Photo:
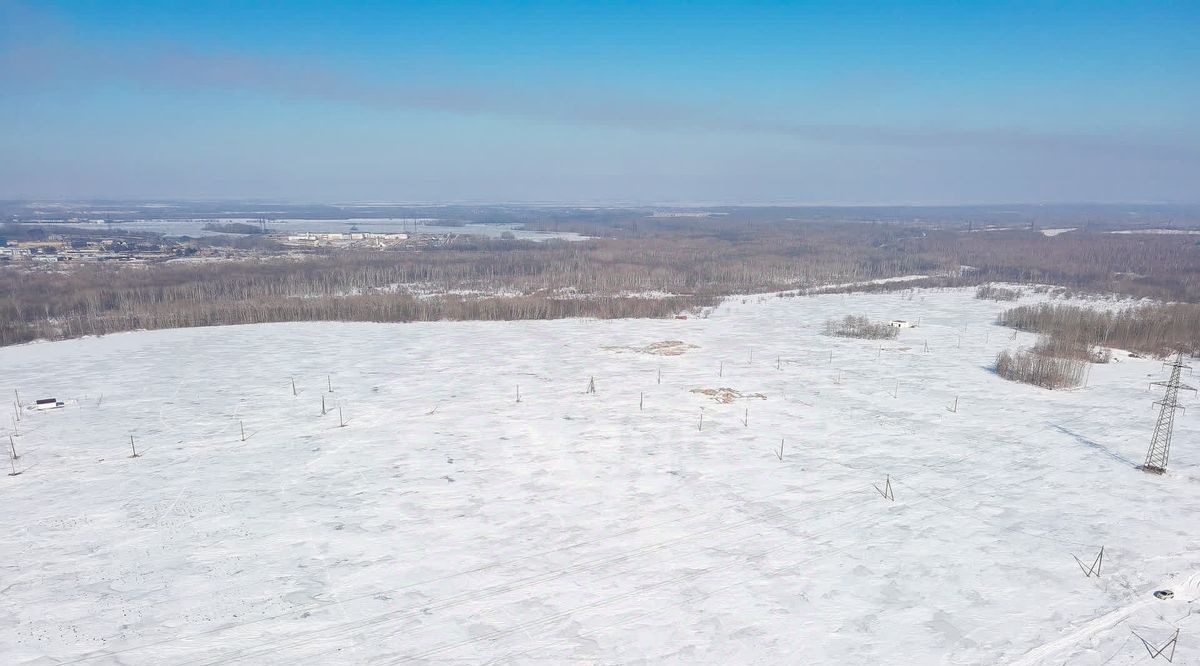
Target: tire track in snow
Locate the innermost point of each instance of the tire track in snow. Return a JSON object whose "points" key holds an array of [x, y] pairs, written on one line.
{"points": [[1097, 625]]}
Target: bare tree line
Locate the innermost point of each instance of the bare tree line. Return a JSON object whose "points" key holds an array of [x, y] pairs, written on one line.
{"points": [[511, 280], [377, 308], [1077, 331], [852, 326], [993, 293], [1040, 369], [1070, 337], [1143, 266], [692, 264]]}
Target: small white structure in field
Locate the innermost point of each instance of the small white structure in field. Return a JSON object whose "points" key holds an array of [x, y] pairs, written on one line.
{"points": [[901, 323], [48, 403]]}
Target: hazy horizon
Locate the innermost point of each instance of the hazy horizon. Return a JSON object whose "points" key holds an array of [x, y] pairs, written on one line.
{"points": [[150, 203]]}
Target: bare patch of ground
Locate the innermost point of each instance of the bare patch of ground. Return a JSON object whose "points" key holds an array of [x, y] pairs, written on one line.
{"points": [[663, 348], [728, 395]]}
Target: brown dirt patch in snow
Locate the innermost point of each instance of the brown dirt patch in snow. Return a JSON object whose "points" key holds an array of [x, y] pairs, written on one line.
{"points": [[663, 348], [728, 395]]}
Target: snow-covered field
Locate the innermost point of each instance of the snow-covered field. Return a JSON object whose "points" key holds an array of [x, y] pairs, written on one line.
{"points": [[449, 523], [195, 228], [1168, 232]]}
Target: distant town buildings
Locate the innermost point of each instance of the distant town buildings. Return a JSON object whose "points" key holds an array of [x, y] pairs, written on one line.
{"points": [[63, 248], [352, 237], [85, 245]]}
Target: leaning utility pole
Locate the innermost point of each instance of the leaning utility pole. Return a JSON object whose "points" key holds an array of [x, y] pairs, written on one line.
{"points": [[1160, 445]]}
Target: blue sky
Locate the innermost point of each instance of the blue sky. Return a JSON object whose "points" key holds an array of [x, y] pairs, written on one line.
{"points": [[702, 102]]}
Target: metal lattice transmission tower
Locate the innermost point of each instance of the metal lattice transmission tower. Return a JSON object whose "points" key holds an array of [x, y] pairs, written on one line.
{"points": [[1160, 445]]}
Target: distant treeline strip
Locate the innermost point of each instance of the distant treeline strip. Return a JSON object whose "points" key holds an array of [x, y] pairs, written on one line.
{"points": [[609, 278], [693, 262], [1162, 267], [375, 307]]}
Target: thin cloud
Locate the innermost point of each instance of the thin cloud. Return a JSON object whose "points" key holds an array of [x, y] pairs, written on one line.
{"points": [[55, 59]]}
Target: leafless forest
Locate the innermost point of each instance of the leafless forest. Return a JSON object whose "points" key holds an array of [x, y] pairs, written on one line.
{"points": [[993, 293], [658, 268], [1039, 369], [1070, 337], [852, 326], [1078, 332]]}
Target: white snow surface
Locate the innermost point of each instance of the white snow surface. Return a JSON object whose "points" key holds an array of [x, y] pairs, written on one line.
{"points": [[1168, 232], [449, 523], [195, 228]]}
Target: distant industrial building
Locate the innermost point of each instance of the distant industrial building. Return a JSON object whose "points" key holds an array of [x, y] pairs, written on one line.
{"points": [[340, 238]]}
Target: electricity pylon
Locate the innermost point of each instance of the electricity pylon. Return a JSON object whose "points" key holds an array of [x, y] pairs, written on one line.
{"points": [[1160, 445]]}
